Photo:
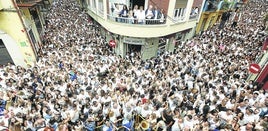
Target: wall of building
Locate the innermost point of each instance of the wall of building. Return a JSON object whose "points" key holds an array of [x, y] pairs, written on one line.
{"points": [[150, 33], [160, 4], [11, 24], [262, 62], [207, 20], [30, 25], [149, 49], [12, 50]]}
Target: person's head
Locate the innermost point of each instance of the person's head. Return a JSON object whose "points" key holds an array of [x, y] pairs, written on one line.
{"points": [[136, 7], [48, 129], [249, 127], [141, 8], [266, 101], [249, 111], [229, 112], [236, 9], [240, 115], [256, 111], [235, 120], [189, 117], [117, 6], [125, 7], [150, 7], [246, 101]]}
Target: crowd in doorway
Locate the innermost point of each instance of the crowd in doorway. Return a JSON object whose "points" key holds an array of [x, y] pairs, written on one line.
{"points": [[79, 84]]}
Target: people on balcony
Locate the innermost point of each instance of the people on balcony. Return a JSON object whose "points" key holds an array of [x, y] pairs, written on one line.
{"points": [[135, 13], [194, 12], [124, 14], [141, 16], [131, 18], [116, 12], [138, 15], [157, 15], [162, 16], [149, 14]]}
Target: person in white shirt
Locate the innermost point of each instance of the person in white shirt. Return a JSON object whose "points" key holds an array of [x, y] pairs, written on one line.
{"points": [[116, 12], [226, 116], [249, 117], [141, 15], [187, 122], [146, 111]]}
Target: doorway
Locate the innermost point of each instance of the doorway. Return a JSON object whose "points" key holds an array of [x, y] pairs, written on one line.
{"points": [[5, 57], [133, 48], [137, 2], [203, 24]]}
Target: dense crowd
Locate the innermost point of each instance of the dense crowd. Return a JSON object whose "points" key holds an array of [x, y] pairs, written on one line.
{"points": [[79, 84]]}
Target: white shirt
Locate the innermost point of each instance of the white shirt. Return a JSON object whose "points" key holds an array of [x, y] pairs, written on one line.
{"points": [[176, 126], [141, 15], [145, 113]]}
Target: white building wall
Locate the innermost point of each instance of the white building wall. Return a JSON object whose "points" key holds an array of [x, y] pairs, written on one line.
{"points": [[13, 49]]}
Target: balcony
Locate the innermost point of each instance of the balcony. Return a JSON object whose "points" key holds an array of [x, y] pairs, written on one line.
{"points": [[128, 20], [143, 28], [193, 16], [132, 20]]}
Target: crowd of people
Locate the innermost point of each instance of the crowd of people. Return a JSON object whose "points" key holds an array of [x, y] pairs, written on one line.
{"points": [[79, 84]]}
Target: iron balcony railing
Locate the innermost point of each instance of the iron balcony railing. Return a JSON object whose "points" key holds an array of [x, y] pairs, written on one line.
{"points": [[132, 20]]}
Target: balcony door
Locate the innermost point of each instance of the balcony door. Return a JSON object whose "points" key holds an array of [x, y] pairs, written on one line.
{"points": [[138, 2]]}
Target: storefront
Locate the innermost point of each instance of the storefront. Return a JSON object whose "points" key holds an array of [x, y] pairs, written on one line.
{"points": [[133, 45]]}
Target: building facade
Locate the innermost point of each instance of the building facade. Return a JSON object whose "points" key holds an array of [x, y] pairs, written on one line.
{"points": [[148, 34], [21, 27], [212, 12]]}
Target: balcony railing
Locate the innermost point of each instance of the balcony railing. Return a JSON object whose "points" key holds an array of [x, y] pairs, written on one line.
{"points": [[194, 16], [101, 13], [128, 20], [137, 21], [179, 16]]}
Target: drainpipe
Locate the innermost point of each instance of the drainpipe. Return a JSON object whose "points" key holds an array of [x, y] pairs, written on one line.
{"points": [[24, 27]]}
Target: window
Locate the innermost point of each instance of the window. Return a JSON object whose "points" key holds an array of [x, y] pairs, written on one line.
{"points": [[36, 19], [179, 14]]}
